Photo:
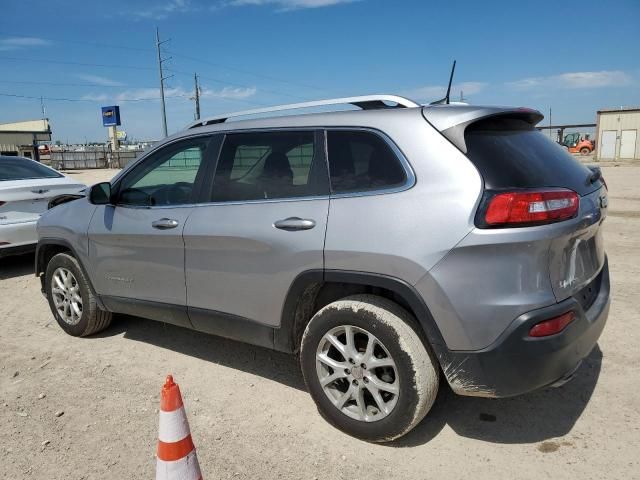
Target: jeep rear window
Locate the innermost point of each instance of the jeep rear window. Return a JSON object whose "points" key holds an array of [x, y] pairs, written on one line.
{"points": [[362, 161], [511, 153], [23, 169]]}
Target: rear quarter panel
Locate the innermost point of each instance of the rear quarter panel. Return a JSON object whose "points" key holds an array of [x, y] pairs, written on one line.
{"points": [[405, 234], [488, 280]]}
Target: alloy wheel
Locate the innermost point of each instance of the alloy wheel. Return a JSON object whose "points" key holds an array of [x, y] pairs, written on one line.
{"points": [[65, 291], [357, 373]]}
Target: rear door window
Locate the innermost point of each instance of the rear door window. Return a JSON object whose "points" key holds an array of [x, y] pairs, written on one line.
{"points": [[361, 161], [269, 165], [510, 153]]}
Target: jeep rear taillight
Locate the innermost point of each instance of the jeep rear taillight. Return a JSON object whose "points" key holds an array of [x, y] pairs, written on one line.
{"points": [[529, 207]]}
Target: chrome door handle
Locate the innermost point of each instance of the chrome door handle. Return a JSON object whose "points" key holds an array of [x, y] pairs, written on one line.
{"points": [[294, 223], [165, 223]]}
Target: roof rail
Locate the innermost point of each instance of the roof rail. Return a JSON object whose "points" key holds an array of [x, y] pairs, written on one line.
{"points": [[366, 102]]}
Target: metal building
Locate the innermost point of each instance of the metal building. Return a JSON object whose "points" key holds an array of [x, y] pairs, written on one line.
{"points": [[22, 138], [617, 134]]}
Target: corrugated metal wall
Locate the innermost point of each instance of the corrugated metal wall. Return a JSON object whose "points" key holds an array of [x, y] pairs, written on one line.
{"points": [[16, 142], [618, 122], [6, 147]]}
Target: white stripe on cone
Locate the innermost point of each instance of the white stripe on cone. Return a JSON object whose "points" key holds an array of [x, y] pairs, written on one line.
{"points": [[186, 468], [173, 426]]}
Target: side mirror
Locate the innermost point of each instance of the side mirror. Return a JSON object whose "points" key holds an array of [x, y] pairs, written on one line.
{"points": [[100, 194]]}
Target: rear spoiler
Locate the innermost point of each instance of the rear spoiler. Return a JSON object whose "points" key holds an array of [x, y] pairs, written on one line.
{"points": [[452, 120]]}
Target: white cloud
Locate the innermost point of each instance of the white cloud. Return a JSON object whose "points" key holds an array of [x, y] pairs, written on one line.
{"points": [[17, 43], [289, 4], [149, 94], [98, 80], [229, 92], [95, 97], [139, 94], [136, 94], [431, 93], [571, 80], [161, 11]]}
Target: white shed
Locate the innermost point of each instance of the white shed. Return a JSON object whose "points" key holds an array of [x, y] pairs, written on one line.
{"points": [[617, 134], [22, 138]]}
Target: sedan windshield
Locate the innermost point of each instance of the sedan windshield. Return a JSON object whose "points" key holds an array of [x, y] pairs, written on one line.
{"points": [[24, 169]]}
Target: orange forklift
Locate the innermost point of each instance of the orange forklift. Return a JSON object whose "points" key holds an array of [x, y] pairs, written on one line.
{"points": [[579, 143]]}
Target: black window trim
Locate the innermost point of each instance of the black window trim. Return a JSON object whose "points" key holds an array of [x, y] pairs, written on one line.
{"points": [[211, 164], [409, 173]]}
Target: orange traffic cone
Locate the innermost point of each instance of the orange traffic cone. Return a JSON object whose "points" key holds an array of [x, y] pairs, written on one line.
{"points": [[177, 457]]}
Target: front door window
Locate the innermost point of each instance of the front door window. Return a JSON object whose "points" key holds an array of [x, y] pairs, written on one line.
{"points": [[168, 177]]}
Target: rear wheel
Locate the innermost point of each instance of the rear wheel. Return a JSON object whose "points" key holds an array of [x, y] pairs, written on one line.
{"points": [[367, 369], [585, 151], [71, 301]]}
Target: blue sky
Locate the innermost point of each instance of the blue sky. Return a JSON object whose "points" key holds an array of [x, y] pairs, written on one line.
{"points": [[574, 57]]}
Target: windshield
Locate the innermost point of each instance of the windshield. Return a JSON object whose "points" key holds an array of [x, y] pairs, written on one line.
{"points": [[24, 169]]}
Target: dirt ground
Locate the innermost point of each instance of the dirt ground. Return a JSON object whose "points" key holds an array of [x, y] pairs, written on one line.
{"points": [[252, 419]]}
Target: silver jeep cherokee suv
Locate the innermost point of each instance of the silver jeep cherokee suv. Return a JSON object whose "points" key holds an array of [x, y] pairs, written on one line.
{"points": [[387, 247]]}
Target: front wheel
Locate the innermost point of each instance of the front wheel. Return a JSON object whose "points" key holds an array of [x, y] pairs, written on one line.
{"points": [[71, 301], [585, 151], [367, 369]]}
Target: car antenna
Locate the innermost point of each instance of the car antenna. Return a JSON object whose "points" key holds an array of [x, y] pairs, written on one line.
{"points": [[445, 100]]}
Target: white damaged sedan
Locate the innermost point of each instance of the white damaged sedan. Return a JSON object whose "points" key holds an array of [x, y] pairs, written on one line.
{"points": [[26, 187]]}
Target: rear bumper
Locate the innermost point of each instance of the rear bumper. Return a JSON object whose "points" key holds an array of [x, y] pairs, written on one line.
{"points": [[516, 363]]}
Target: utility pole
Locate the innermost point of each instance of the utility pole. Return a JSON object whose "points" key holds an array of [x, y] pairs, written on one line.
{"points": [[197, 96], [162, 79]]}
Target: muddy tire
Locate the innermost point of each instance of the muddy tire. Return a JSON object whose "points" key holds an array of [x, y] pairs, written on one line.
{"points": [[70, 298], [367, 368]]}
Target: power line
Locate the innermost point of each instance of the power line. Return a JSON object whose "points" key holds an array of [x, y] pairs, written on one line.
{"points": [[61, 84], [181, 55], [148, 68], [82, 64], [61, 62], [82, 42], [130, 87], [247, 72], [240, 85], [93, 100], [144, 99], [99, 85], [25, 82]]}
